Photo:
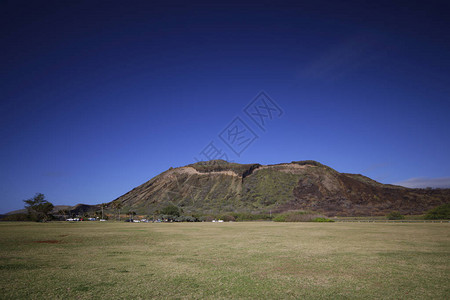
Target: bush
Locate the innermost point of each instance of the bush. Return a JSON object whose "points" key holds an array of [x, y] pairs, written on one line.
{"points": [[227, 218], [395, 215], [299, 216], [251, 217], [191, 219], [208, 218], [231, 217], [441, 212], [185, 219], [322, 220], [280, 218]]}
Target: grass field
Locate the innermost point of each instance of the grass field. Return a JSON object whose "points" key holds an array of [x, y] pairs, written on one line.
{"points": [[110, 260]]}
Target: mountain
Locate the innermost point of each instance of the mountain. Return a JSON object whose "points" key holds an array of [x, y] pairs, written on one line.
{"points": [[219, 186]]}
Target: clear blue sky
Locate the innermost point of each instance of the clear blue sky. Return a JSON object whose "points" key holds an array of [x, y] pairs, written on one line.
{"points": [[98, 97]]}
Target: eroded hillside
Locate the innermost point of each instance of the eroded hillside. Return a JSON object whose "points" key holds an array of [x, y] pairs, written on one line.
{"points": [[219, 186]]}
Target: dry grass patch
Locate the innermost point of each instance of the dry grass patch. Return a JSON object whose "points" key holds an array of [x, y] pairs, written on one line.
{"points": [[227, 260]]}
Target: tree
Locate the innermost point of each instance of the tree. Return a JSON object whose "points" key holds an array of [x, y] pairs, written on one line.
{"points": [[103, 205], [171, 210], [64, 213], [131, 213], [118, 206], [441, 212], [38, 208]]}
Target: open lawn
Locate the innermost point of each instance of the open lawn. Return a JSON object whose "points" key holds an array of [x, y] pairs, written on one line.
{"points": [[110, 260]]}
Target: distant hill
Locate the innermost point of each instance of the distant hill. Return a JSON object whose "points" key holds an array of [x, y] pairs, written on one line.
{"points": [[215, 187], [218, 187], [54, 211], [68, 211]]}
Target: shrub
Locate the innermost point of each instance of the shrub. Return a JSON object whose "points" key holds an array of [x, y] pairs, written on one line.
{"points": [[227, 218], [251, 217], [208, 218], [280, 218], [301, 217], [395, 215], [322, 220], [191, 219], [441, 212], [185, 219], [298, 216]]}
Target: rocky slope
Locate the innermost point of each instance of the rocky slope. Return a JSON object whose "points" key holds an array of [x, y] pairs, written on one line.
{"points": [[219, 186]]}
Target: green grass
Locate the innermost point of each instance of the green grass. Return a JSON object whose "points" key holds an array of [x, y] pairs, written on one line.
{"points": [[380, 218], [224, 260]]}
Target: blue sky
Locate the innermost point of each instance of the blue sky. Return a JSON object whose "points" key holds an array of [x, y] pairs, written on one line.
{"points": [[98, 97]]}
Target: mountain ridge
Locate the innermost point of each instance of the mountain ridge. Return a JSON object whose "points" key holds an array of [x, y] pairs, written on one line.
{"points": [[218, 186]]}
